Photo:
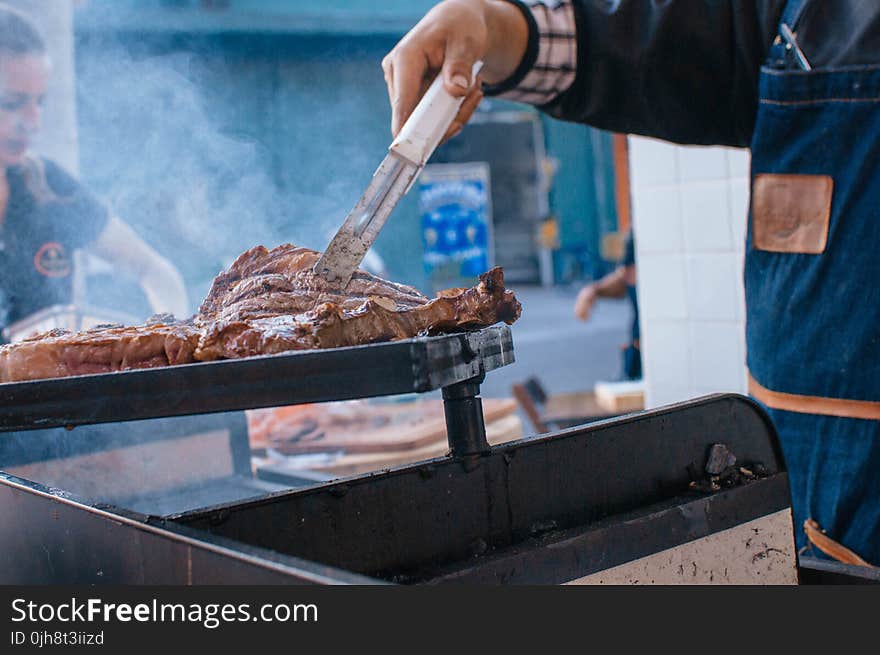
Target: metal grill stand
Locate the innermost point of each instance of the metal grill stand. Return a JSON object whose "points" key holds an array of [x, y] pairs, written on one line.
{"points": [[465, 425], [135, 428], [384, 369], [569, 506]]}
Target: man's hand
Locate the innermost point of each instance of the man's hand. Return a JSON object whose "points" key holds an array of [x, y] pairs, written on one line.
{"points": [[583, 304], [449, 40]]}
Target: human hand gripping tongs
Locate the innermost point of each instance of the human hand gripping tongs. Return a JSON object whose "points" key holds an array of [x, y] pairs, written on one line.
{"points": [[406, 158]]}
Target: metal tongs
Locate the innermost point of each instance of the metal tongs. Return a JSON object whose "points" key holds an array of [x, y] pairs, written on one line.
{"points": [[406, 158]]}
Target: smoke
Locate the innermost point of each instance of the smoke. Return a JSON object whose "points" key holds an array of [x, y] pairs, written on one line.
{"points": [[4, 308], [157, 466], [206, 152], [208, 147]]}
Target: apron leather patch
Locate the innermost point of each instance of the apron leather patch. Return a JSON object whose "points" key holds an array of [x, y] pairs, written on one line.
{"points": [[790, 213]]}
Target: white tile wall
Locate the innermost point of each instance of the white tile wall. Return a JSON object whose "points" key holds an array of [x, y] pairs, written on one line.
{"points": [[716, 349], [669, 350], [711, 286], [740, 289], [738, 162], [662, 285], [705, 214], [657, 163], [658, 212], [700, 164], [690, 209], [668, 394], [738, 195]]}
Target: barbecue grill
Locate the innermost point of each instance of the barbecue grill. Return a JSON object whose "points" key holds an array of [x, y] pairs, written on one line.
{"points": [[619, 500]]}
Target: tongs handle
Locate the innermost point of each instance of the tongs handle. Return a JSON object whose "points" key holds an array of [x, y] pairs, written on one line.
{"points": [[423, 130]]}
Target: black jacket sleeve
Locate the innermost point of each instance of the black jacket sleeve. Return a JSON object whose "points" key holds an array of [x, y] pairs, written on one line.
{"points": [[680, 70]]}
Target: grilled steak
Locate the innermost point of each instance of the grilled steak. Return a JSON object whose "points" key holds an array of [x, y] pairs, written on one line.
{"points": [[269, 301], [60, 353]]}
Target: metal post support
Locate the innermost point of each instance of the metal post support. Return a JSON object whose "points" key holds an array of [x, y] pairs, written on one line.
{"points": [[465, 427]]}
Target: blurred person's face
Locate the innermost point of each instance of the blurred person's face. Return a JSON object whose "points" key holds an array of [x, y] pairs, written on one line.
{"points": [[23, 82]]}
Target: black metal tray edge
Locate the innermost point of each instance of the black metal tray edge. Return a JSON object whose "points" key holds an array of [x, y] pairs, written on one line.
{"points": [[413, 365]]}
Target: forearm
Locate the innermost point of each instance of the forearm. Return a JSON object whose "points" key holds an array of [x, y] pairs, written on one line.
{"points": [[508, 39], [165, 289], [160, 280], [682, 70], [612, 285]]}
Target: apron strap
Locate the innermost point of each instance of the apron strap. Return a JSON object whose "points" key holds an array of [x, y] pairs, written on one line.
{"points": [[786, 37], [791, 402], [816, 536], [792, 12]]}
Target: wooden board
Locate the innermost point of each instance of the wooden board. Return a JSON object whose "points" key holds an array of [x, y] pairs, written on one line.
{"points": [[358, 426], [577, 404], [620, 397], [498, 431]]}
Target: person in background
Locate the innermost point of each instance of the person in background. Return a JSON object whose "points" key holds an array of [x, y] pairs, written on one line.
{"points": [[618, 283], [798, 83], [45, 214]]}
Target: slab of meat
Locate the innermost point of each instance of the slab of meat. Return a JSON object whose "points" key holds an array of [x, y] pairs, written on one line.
{"points": [[268, 302], [60, 353]]}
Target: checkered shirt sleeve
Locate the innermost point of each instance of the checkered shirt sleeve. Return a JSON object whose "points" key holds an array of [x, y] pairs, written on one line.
{"points": [[548, 69]]}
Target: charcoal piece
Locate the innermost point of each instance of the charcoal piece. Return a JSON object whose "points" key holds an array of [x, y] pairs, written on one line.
{"points": [[719, 459]]}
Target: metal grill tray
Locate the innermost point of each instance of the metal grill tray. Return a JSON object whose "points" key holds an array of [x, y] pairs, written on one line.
{"points": [[413, 365]]}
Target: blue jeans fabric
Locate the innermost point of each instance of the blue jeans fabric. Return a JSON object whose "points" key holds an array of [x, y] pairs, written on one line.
{"points": [[834, 478], [813, 320]]}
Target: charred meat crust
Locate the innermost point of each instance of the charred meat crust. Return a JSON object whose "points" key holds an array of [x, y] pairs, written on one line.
{"points": [[267, 302], [61, 354]]}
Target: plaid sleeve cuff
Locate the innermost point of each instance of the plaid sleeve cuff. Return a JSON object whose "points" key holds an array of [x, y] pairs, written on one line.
{"points": [[548, 67]]}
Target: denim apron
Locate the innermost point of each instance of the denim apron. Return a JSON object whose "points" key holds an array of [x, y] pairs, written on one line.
{"points": [[812, 280]]}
